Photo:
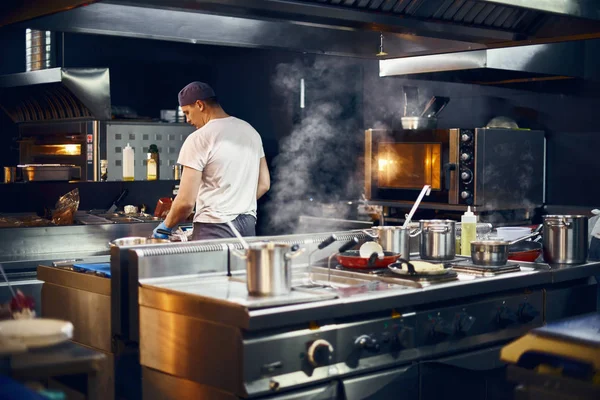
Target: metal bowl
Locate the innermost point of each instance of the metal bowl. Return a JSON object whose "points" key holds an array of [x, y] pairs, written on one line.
{"points": [[136, 240], [489, 252], [418, 123]]}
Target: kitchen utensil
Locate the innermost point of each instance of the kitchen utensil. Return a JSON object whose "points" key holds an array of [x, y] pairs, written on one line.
{"points": [[39, 332], [434, 106], [418, 123], [115, 203], [353, 259], [269, 267], [136, 241], [438, 241], [12, 291], [528, 251], [424, 192], [496, 252], [565, 239], [238, 235], [368, 248], [395, 239], [417, 268], [321, 246]]}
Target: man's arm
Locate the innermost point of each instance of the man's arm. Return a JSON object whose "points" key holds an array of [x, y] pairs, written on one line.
{"points": [[186, 197], [264, 179]]}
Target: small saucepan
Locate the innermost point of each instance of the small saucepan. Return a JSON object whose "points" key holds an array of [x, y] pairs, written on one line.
{"points": [[497, 252]]}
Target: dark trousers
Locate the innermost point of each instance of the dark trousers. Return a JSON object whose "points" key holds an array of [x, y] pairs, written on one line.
{"points": [[244, 223]]}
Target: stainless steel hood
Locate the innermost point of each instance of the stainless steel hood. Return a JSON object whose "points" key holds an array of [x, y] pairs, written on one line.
{"points": [[337, 27], [551, 61], [56, 94]]}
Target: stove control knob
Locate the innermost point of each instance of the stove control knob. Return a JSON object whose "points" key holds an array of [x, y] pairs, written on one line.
{"points": [[443, 328], [405, 338], [366, 342], [466, 137], [465, 156], [465, 194], [319, 352], [506, 316], [527, 313], [466, 175], [464, 322]]}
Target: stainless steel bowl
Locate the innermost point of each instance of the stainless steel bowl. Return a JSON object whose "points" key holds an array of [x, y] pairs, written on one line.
{"points": [[489, 252], [136, 241], [418, 123]]}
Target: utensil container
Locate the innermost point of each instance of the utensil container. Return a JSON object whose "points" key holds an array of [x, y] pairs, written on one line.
{"points": [[438, 241], [565, 239]]}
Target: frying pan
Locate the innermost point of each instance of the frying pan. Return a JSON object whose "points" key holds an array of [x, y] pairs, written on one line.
{"points": [[352, 259], [524, 251], [398, 269]]}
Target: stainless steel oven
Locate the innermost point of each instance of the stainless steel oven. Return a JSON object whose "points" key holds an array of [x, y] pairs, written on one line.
{"points": [[488, 168]]}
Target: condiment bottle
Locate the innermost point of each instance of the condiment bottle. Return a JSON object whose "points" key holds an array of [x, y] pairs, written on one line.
{"points": [[152, 163], [128, 163], [468, 227]]}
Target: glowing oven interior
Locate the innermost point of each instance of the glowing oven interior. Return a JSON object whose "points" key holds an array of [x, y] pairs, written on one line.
{"points": [[409, 165]]}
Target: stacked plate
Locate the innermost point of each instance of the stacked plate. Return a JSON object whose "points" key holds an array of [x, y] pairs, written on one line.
{"points": [[19, 335]]}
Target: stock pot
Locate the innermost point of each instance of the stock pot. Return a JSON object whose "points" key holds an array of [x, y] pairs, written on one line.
{"points": [[438, 241], [565, 239], [269, 267], [394, 239]]}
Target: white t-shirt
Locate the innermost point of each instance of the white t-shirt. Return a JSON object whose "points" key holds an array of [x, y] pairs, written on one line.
{"points": [[228, 152]]}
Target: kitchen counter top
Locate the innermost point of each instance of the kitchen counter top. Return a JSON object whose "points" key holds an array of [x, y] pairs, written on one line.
{"points": [[182, 294]]}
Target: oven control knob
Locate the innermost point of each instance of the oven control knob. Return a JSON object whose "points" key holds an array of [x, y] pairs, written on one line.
{"points": [[405, 338], [466, 137], [366, 342], [443, 328], [319, 352], [465, 156], [464, 322], [527, 313], [466, 175], [465, 194], [506, 316]]}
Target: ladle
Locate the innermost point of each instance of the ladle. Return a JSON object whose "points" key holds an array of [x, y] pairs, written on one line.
{"points": [[424, 192]]}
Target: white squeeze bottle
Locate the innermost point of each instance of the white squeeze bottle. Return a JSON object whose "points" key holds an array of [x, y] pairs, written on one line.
{"points": [[128, 158], [468, 228]]}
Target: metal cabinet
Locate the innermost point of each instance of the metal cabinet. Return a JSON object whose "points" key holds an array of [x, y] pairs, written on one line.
{"points": [[389, 384]]}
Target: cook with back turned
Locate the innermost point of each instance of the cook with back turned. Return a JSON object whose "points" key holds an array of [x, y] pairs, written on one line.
{"points": [[224, 170]]}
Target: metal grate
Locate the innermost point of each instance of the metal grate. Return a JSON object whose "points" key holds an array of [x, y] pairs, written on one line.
{"points": [[186, 248], [467, 12]]}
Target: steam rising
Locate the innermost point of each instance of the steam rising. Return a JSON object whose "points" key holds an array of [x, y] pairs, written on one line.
{"points": [[320, 159]]}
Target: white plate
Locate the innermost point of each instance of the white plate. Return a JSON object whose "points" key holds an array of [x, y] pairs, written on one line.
{"points": [[369, 248], [37, 332]]}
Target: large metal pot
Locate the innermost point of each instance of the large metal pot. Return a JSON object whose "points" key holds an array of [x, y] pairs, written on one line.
{"points": [[269, 267], [394, 239], [438, 240], [565, 239]]}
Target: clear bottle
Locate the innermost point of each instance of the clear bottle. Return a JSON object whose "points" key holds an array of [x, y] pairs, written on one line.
{"points": [[152, 163], [468, 224], [128, 163]]}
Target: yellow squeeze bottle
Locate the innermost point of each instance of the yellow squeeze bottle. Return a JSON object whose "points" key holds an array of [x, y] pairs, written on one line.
{"points": [[468, 225]]}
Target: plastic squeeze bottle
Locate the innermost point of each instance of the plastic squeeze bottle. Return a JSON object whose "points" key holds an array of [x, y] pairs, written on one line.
{"points": [[128, 167], [468, 225]]}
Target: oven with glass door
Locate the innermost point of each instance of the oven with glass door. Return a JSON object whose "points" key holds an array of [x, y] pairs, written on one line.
{"points": [[493, 169]]}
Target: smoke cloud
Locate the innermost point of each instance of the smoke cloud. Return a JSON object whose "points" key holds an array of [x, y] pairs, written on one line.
{"points": [[319, 162]]}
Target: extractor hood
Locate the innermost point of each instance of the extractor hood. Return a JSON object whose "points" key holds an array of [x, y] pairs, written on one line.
{"points": [[551, 61], [56, 94], [337, 27]]}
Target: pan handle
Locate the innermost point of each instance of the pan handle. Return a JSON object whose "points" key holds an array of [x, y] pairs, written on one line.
{"points": [[348, 245], [372, 259], [239, 254], [294, 253], [370, 235], [327, 242], [414, 233]]}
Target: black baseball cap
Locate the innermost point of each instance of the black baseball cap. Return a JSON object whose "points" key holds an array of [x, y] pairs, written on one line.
{"points": [[195, 91]]}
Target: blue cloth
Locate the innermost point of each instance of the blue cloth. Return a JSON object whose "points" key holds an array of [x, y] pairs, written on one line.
{"points": [[11, 389], [98, 267], [162, 226], [244, 223]]}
